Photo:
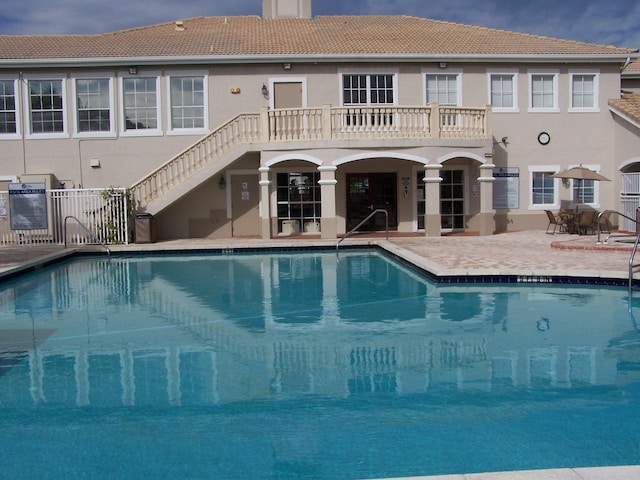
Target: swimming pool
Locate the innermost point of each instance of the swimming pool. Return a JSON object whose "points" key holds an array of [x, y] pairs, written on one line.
{"points": [[307, 365]]}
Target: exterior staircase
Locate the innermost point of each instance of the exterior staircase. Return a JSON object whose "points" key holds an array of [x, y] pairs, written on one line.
{"points": [[326, 126]]}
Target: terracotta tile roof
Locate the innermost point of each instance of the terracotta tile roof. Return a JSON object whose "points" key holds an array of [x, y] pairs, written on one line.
{"points": [[628, 105], [323, 35], [633, 68]]}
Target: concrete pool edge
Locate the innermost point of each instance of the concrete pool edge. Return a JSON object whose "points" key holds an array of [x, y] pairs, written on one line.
{"points": [[495, 273], [624, 472]]}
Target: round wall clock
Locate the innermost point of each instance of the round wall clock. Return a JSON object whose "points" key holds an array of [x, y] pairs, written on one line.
{"points": [[544, 138]]}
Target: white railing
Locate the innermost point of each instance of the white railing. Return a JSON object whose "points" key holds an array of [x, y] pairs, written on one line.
{"points": [[628, 206], [105, 213], [244, 128], [630, 183], [314, 124], [380, 122], [629, 200], [296, 124], [456, 122]]}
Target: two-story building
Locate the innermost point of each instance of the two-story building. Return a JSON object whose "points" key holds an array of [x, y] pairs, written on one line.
{"points": [[294, 124]]}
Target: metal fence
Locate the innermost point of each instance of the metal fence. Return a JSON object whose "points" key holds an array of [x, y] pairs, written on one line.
{"points": [[104, 213]]}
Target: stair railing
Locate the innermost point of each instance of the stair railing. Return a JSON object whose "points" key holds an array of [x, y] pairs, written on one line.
{"points": [[86, 229], [378, 210]]}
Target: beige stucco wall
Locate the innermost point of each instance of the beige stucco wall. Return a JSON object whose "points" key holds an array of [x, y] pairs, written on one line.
{"points": [[587, 138], [627, 145]]}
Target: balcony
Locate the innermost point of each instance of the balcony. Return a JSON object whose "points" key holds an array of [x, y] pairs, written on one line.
{"points": [[326, 126]]}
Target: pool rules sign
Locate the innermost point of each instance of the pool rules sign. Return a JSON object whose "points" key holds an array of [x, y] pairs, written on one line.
{"points": [[28, 206]]}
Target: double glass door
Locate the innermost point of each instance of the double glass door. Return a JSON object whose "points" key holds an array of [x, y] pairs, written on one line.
{"points": [[368, 192]]}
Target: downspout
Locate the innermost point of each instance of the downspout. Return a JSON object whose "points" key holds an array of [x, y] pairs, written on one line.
{"points": [[80, 162], [22, 112]]}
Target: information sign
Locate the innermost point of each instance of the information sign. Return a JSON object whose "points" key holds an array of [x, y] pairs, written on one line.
{"points": [[506, 188], [28, 206]]}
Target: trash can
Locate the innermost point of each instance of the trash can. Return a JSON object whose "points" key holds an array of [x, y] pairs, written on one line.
{"points": [[145, 231]]}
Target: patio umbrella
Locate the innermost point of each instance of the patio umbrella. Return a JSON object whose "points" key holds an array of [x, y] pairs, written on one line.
{"points": [[580, 173]]}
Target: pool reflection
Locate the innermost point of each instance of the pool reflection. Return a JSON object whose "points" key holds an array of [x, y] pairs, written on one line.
{"points": [[193, 331]]}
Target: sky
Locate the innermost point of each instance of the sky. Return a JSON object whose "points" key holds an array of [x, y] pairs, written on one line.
{"points": [[605, 22]]}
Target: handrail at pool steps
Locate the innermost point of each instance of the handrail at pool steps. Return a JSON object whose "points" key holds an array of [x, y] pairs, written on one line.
{"points": [[636, 220], [378, 210], [86, 229]]}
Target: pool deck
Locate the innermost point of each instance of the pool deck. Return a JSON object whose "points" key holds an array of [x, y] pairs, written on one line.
{"points": [[526, 253], [532, 255]]}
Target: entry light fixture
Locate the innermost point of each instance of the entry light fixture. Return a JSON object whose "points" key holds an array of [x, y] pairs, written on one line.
{"points": [[265, 91], [222, 183], [133, 70], [442, 64], [286, 66]]}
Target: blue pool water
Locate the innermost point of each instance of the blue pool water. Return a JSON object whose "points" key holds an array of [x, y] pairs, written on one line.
{"points": [[306, 365]]}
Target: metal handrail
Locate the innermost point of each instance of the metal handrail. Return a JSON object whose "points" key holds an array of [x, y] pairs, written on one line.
{"points": [[631, 258], [635, 243], [599, 224], [95, 237], [378, 210]]}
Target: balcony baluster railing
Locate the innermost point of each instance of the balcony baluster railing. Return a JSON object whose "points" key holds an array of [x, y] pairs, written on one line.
{"points": [[314, 124]]}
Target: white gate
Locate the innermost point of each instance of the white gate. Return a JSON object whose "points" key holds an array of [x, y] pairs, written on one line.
{"points": [[629, 200], [103, 212]]}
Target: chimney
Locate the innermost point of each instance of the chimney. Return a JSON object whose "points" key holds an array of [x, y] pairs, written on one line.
{"points": [[286, 8]]}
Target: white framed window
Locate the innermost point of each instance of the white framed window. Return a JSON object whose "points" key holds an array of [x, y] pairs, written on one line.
{"points": [[45, 98], [444, 88], [93, 106], [363, 88], [503, 90], [586, 192], [368, 88], [543, 188], [584, 91], [543, 91], [140, 112], [9, 111], [188, 102]]}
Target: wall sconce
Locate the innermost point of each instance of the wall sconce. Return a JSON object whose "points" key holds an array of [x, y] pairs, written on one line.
{"points": [[505, 141], [265, 91], [565, 182], [442, 64], [133, 70], [222, 183], [286, 66]]}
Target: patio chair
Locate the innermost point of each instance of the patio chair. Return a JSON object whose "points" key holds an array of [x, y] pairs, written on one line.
{"points": [[559, 223], [586, 221]]}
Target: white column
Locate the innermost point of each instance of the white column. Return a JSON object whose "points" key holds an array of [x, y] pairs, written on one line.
{"points": [[328, 221], [487, 221], [432, 219], [265, 203]]}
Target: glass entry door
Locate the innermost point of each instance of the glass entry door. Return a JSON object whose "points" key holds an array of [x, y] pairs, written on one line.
{"points": [[452, 200], [368, 192]]}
